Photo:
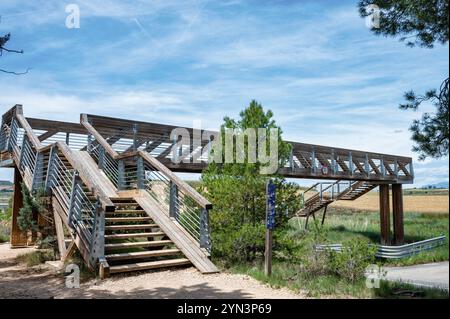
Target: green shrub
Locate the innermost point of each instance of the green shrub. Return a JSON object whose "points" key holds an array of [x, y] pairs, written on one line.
{"points": [[352, 261], [243, 244]]}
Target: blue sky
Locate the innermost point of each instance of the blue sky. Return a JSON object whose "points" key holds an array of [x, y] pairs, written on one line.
{"points": [[326, 77]]}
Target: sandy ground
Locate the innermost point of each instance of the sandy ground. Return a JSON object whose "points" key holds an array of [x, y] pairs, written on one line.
{"points": [[420, 204], [17, 281]]}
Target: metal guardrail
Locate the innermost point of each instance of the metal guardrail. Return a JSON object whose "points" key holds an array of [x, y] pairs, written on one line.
{"points": [[395, 252]]}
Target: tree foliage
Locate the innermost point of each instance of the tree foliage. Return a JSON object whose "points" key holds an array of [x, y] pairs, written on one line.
{"points": [[237, 191], [420, 23]]}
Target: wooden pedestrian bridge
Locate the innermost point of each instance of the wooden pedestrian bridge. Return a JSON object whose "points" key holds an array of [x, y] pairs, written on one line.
{"points": [[115, 196]]}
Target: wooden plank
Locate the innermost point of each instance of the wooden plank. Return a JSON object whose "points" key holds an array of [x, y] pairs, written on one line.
{"points": [[136, 244], [134, 235], [143, 254], [59, 235], [46, 135], [149, 265], [186, 244]]}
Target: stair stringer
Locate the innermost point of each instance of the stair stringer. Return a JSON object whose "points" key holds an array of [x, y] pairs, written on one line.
{"points": [[185, 243]]}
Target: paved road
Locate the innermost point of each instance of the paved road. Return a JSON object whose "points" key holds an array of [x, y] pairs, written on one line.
{"points": [[428, 275]]}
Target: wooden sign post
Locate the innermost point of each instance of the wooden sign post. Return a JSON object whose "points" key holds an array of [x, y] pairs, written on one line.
{"points": [[270, 225]]}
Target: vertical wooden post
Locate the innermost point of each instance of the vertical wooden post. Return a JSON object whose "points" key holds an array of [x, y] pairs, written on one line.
{"points": [[397, 207], [268, 253], [18, 237], [385, 224]]}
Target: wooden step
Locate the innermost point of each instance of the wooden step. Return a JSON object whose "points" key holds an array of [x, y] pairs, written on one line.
{"points": [[143, 254], [127, 211], [130, 227], [134, 235], [138, 244], [125, 204], [126, 219], [149, 265]]}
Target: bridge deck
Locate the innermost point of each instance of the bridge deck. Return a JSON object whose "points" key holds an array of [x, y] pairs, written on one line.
{"points": [[306, 161]]}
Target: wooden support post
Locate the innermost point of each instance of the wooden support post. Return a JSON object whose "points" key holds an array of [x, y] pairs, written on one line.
{"points": [[324, 214], [268, 253], [384, 215], [397, 207], [18, 237], [60, 235]]}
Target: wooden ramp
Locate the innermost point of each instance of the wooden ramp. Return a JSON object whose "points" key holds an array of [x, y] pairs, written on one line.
{"points": [[182, 240]]}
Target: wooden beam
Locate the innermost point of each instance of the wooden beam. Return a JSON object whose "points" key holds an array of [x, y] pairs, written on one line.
{"points": [[397, 207], [59, 235], [46, 135], [98, 137], [385, 224]]}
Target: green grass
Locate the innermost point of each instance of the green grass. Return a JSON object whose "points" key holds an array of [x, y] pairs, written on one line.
{"points": [[427, 192], [35, 258], [286, 274], [341, 225]]}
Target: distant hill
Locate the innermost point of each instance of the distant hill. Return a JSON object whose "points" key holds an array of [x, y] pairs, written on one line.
{"points": [[437, 185], [6, 183]]}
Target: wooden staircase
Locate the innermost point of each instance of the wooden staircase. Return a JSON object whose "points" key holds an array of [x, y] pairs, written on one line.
{"points": [[328, 193], [133, 241]]}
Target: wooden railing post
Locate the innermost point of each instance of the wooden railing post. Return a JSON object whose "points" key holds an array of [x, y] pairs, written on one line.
{"points": [[97, 245], [367, 166], [350, 163], [313, 161]]}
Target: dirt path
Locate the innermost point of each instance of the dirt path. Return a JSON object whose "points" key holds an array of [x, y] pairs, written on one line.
{"points": [[16, 281]]}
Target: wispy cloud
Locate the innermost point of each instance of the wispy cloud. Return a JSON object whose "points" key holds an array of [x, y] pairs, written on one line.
{"points": [[325, 76]]}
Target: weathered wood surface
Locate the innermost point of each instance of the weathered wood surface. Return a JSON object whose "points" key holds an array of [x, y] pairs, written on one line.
{"points": [[186, 244]]}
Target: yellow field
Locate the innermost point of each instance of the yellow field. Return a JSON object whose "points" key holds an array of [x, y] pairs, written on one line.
{"points": [[413, 204]]}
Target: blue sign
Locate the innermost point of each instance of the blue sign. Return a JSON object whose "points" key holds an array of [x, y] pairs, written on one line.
{"points": [[270, 205]]}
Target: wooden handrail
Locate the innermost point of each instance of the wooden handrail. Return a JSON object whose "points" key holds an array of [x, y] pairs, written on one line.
{"points": [[185, 187], [182, 185], [106, 203], [98, 136], [87, 179]]}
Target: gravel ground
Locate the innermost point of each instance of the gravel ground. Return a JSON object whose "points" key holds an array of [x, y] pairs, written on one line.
{"points": [[17, 281]]}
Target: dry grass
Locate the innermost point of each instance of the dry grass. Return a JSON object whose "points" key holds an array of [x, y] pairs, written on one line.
{"points": [[413, 204]]}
